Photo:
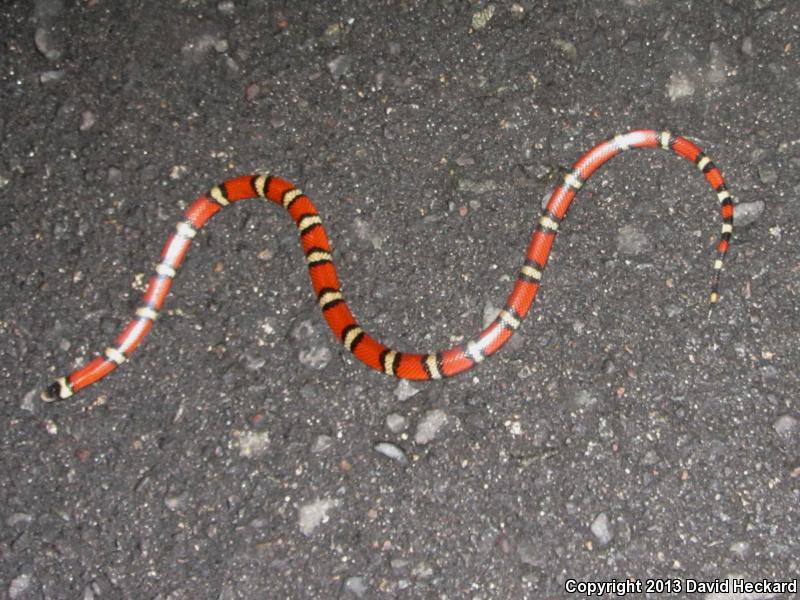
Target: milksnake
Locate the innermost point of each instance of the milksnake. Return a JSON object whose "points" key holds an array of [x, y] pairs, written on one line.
{"points": [[325, 280]]}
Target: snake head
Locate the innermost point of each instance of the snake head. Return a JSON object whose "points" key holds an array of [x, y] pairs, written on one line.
{"points": [[58, 390], [50, 393]]}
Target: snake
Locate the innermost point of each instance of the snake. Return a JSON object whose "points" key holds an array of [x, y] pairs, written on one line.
{"points": [[328, 290]]}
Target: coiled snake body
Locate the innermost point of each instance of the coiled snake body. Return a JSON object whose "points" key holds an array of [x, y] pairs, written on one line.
{"points": [[325, 280]]}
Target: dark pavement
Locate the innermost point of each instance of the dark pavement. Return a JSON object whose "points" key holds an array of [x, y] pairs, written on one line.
{"points": [[243, 454]]}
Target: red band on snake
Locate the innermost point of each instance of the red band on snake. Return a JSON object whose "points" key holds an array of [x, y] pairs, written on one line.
{"points": [[325, 281]]}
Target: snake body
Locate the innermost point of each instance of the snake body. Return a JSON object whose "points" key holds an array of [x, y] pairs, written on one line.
{"points": [[328, 291]]}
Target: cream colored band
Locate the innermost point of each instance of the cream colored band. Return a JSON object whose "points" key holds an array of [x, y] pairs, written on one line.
{"points": [[350, 337], [329, 298], [619, 142], [572, 181], [146, 312], [261, 182], [509, 320], [185, 230], [531, 272], [64, 391], [308, 221], [218, 196], [433, 367], [291, 195], [165, 270], [319, 256], [115, 355], [547, 223], [474, 352], [388, 362]]}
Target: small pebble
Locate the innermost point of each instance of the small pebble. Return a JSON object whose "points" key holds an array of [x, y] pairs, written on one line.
{"points": [[339, 66], [632, 241], [396, 422], [114, 175], [605, 429], [747, 213], [584, 399], [51, 76], [226, 7], [531, 553], [265, 254], [316, 358], [365, 231], [602, 530], [19, 518], [253, 362], [322, 443], [313, 514], [405, 390], [19, 585], [251, 92], [747, 46], [83, 454], [567, 48], [477, 187], [673, 310], [767, 174], [356, 586], [46, 44], [398, 564], [276, 121], [252, 444], [87, 120], [176, 503], [481, 18], [740, 549], [430, 424], [422, 571], [679, 86], [650, 458], [302, 330], [785, 426], [29, 400], [490, 313], [51, 427], [178, 171], [391, 451]]}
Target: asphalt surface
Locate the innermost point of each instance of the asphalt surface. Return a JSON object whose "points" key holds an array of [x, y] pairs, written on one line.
{"points": [[626, 434]]}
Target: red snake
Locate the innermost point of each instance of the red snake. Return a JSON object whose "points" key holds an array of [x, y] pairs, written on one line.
{"points": [[325, 281]]}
